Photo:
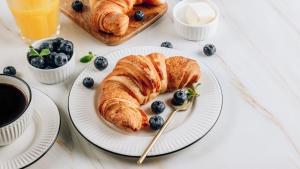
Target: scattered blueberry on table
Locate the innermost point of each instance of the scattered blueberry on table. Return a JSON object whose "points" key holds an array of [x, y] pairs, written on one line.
{"points": [[88, 82], [139, 15], [9, 70], [51, 54], [209, 49], [158, 107], [77, 6], [167, 44], [156, 122], [179, 98], [100, 63]]}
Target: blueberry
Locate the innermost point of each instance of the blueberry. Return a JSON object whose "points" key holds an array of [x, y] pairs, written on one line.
{"points": [[77, 6], [139, 15], [29, 55], [179, 97], [158, 107], [209, 49], [60, 59], [38, 62], [101, 63], [49, 67], [156, 122], [49, 60], [9, 70], [46, 45], [56, 43], [88, 82], [167, 44], [66, 47]]}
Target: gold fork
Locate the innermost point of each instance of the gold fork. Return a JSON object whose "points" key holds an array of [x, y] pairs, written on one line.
{"points": [[183, 107]]}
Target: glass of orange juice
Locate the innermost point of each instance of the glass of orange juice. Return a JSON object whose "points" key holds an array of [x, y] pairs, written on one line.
{"points": [[36, 19]]}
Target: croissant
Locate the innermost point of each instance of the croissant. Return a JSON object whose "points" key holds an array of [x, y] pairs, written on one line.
{"points": [[138, 79], [111, 15]]}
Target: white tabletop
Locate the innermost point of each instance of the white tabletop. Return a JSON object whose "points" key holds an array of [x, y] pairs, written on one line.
{"points": [[257, 63]]}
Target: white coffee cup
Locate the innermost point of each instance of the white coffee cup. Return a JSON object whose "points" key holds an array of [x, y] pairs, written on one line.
{"points": [[13, 129]]}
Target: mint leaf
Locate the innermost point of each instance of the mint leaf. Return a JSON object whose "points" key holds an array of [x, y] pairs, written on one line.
{"points": [[44, 52], [33, 52], [196, 88], [192, 91], [87, 58]]}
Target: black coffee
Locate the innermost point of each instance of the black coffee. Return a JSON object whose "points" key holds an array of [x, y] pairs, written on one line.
{"points": [[12, 103]]}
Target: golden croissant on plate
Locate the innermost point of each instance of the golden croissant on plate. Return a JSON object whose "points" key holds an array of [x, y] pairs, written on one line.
{"points": [[136, 80], [110, 16]]}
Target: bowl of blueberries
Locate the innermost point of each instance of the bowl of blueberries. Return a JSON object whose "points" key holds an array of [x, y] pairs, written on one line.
{"points": [[51, 60]]}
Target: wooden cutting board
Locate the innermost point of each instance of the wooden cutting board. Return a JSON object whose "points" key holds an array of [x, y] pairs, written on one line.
{"points": [[152, 13]]}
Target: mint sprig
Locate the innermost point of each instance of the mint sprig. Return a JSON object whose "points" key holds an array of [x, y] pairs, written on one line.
{"points": [[34, 53], [87, 58], [193, 91], [44, 52]]}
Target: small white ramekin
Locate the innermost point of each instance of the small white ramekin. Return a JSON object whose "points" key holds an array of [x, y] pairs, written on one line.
{"points": [[52, 76], [14, 129], [191, 32]]}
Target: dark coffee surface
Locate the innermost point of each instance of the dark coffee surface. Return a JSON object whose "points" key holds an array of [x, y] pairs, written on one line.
{"points": [[12, 103]]}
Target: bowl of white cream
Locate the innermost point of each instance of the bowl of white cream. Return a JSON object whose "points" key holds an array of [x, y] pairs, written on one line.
{"points": [[196, 19]]}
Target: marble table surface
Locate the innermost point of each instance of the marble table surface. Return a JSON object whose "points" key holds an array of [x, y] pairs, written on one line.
{"points": [[257, 63]]}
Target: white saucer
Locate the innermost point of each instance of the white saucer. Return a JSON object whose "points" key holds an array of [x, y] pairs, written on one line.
{"points": [[38, 137], [186, 128]]}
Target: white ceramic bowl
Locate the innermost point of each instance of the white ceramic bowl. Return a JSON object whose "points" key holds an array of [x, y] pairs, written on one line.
{"points": [[191, 32], [52, 76], [11, 131]]}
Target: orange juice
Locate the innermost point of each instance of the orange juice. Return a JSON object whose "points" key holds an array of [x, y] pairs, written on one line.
{"points": [[36, 19]]}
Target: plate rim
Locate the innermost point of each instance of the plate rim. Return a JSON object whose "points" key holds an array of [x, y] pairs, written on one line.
{"points": [[157, 155], [51, 145]]}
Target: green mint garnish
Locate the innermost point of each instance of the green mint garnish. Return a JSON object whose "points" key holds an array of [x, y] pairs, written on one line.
{"points": [[45, 52], [87, 58], [192, 91], [33, 52]]}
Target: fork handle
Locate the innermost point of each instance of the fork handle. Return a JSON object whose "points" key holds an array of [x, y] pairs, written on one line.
{"points": [[154, 140]]}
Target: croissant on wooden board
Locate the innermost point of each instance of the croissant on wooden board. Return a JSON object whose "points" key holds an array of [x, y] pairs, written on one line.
{"points": [[138, 79], [111, 15]]}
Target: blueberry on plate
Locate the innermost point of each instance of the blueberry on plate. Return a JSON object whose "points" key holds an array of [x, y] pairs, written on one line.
{"points": [[139, 15], [156, 122], [77, 6], [101, 63], [49, 60], [66, 47], [158, 107], [46, 45], [60, 59], [167, 44], [88, 82], [209, 49], [38, 62], [179, 98], [9, 70]]}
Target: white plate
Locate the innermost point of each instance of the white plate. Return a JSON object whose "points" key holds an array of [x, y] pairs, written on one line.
{"points": [[38, 137], [186, 128]]}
